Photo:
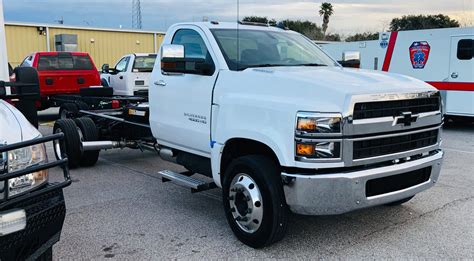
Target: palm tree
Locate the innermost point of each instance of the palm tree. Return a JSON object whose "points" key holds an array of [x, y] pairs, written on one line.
{"points": [[325, 11]]}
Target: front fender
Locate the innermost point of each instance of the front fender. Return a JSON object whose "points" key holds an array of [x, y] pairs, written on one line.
{"points": [[272, 126]]}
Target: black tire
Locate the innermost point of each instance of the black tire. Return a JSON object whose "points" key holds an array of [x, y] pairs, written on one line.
{"points": [[89, 133], [97, 92], [68, 110], [47, 255], [82, 106], [71, 141], [104, 82], [399, 202], [265, 173]]}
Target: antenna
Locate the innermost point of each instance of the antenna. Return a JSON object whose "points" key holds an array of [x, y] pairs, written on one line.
{"points": [[238, 39], [136, 14]]}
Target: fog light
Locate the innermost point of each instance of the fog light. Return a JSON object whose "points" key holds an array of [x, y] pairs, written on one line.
{"points": [[12, 222]]}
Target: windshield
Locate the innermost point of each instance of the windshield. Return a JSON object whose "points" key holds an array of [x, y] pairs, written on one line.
{"points": [[258, 48], [144, 63]]}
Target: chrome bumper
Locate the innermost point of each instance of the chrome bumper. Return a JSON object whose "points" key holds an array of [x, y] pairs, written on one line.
{"points": [[337, 193]]}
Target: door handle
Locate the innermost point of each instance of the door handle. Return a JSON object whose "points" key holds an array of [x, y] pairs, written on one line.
{"points": [[454, 75], [160, 83], [121, 77]]}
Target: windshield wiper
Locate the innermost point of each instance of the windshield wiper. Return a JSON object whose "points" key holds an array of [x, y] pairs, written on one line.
{"points": [[309, 64]]}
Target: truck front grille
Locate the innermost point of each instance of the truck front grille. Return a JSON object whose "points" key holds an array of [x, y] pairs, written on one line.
{"points": [[398, 182], [395, 144], [367, 110]]}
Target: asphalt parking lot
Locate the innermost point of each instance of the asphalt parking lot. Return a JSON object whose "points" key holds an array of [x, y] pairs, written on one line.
{"points": [[120, 209]]}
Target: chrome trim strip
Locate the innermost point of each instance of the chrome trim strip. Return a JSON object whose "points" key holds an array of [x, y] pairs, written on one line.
{"points": [[394, 134], [400, 154]]}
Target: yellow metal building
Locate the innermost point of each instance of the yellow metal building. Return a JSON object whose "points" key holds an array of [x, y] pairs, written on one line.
{"points": [[104, 45]]}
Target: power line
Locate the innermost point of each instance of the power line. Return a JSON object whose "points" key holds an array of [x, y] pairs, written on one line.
{"points": [[136, 14]]}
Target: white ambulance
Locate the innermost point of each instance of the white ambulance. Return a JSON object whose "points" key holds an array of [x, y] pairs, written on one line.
{"points": [[440, 57]]}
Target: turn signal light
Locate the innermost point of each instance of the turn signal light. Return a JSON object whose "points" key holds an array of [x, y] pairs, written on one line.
{"points": [[305, 149]]}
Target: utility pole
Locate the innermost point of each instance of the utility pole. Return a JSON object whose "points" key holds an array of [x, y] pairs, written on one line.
{"points": [[136, 14]]}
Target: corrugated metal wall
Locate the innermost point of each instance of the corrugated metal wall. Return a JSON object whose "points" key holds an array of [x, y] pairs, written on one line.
{"points": [[104, 46], [21, 41]]}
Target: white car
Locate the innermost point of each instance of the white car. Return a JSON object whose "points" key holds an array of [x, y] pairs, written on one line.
{"points": [[131, 74]]}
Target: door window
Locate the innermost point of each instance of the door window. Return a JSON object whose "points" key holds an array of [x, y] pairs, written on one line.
{"points": [[26, 62], [465, 49], [194, 46], [122, 64]]}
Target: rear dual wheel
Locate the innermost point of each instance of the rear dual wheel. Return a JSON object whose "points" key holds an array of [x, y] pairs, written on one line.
{"points": [[254, 201], [76, 131]]}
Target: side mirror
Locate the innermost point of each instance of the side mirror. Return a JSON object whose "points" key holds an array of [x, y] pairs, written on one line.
{"points": [[105, 68], [173, 61], [350, 59]]}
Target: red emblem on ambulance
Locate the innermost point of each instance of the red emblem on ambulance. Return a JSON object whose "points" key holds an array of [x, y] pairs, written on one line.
{"points": [[419, 53]]}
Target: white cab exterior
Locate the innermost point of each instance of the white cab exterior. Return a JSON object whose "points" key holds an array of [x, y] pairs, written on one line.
{"points": [[127, 78]]}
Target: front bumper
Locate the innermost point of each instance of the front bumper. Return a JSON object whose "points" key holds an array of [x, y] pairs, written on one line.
{"points": [[44, 207], [337, 193], [44, 218]]}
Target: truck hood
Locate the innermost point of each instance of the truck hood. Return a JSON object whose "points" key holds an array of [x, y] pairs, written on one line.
{"points": [[320, 88], [15, 127]]}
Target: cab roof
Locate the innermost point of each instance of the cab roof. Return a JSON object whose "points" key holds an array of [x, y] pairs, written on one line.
{"points": [[234, 25]]}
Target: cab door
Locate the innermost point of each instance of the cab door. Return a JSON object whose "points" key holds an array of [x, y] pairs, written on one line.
{"points": [[461, 75], [180, 115], [118, 79]]}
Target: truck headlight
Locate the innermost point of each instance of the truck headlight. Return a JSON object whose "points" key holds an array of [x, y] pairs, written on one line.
{"points": [[24, 158], [319, 149], [318, 123]]}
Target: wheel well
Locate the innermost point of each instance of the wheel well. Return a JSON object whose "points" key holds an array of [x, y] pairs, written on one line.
{"points": [[239, 147]]}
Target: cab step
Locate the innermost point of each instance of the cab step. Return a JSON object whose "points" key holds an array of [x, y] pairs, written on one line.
{"points": [[184, 180]]}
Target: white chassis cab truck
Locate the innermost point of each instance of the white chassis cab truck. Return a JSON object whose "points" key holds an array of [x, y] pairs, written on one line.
{"points": [[278, 125], [131, 74]]}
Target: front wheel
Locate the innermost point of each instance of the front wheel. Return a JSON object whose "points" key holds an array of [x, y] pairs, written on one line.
{"points": [[254, 201]]}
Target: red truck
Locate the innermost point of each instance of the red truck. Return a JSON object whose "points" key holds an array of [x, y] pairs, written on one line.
{"points": [[62, 73]]}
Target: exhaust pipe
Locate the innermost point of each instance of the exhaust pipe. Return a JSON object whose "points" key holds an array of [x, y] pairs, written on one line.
{"points": [[100, 145], [165, 153]]}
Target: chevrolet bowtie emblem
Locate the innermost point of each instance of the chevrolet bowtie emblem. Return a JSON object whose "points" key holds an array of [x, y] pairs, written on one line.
{"points": [[406, 119]]}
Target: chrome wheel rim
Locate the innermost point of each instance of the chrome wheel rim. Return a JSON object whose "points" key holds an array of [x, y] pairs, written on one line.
{"points": [[57, 145], [81, 139], [246, 203]]}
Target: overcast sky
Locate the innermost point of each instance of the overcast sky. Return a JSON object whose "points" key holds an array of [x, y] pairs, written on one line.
{"points": [[350, 15]]}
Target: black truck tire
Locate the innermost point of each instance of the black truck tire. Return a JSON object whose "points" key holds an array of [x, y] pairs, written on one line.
{"points": [[68, 110], [47, 255], [399, 202], [82, 106], [97, 92], [71, 141], [89, 133], [254, 201]]}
